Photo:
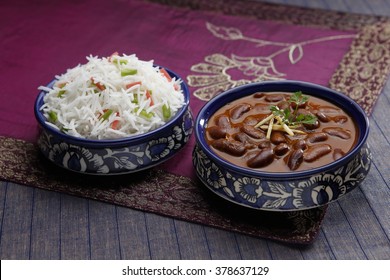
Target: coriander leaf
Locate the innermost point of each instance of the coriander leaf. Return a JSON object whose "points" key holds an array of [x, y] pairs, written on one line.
{"points": [[298, 98], [300, 117], [308, 119], [287, 114]]}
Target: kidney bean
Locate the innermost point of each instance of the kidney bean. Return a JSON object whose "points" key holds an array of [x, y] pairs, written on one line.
{"points": [[317, 137], [315, 152], [294, 105], [302, 111], [251, 120], [338, 132], [295, 159], [262, 108], [243, 138], [338, 153], [281, 149], [253, 131], [223, 121], [260, 159], [264, 144], [278, 137], [258, 95], [312, 126], [340, 119], [237, 111], [322, 117], [217, 132], [283, 105], [329, 110], [299, 144], [234, 148], [274, 97]]}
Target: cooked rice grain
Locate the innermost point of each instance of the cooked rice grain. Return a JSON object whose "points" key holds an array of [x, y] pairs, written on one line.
{"points": [[111, 97]]}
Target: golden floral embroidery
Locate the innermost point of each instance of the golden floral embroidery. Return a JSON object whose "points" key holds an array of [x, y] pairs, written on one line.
{"points": [[364, 69], [215, 74]]}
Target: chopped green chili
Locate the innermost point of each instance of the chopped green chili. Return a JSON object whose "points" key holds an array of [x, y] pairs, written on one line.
{"points": [[135, 99], [106, 114], [53, 116], [127, 72], [61, 93], [145, 114], [121, 61], [166, 111]]}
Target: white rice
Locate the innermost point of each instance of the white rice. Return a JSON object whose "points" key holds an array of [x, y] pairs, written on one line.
{"points": [[93, 100]]}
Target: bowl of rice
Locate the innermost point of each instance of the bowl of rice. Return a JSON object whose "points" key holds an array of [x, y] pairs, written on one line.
{"points": [[113, 115]]}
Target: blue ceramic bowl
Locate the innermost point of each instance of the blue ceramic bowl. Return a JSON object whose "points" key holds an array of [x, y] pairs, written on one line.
{"points": [[120, 156], [285, 191]]}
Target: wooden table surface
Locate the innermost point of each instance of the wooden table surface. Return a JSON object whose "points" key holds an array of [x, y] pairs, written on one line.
{"points": [[39, 224]]}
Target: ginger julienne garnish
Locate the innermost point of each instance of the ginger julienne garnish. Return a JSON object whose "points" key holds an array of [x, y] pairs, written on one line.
{"points": [[288, 119]]}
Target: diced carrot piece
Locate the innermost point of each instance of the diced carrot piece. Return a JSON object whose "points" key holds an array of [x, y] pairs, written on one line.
{"points": [[166, 74], [98, 85], [110, 57], [149, 96], [115, 123], [133, 84]]}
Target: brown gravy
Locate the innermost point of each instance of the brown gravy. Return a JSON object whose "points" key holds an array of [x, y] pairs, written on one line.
{"points": [[232, 134]]}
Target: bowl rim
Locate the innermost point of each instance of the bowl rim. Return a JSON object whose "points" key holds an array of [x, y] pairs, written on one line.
{"points": [[133, 139], [335, 97]]}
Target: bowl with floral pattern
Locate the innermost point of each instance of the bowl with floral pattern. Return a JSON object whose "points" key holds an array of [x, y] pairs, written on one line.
{"points": [[251, 159], [115, 156]]}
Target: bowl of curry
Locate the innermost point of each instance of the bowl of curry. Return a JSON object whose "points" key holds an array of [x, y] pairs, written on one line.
{"points": [[281, 145]]}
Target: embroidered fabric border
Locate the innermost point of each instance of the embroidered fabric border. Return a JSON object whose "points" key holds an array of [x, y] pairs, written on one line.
{"points": [[365, 68]]}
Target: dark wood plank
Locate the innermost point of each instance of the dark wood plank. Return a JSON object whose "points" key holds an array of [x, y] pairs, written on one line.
{"points": [[319, 4], [162, 237], [75, 242], [222, 244], [45, 226], [103, 228], [340, 235], [281, 251], [357, 6], [367, 229], [318, 250], [367, 6], [253, 248], [377, 193], [16, 227], [378, 7], [133, 238], [192, 241], [3, 189], [377, 189], [379, 138]]}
